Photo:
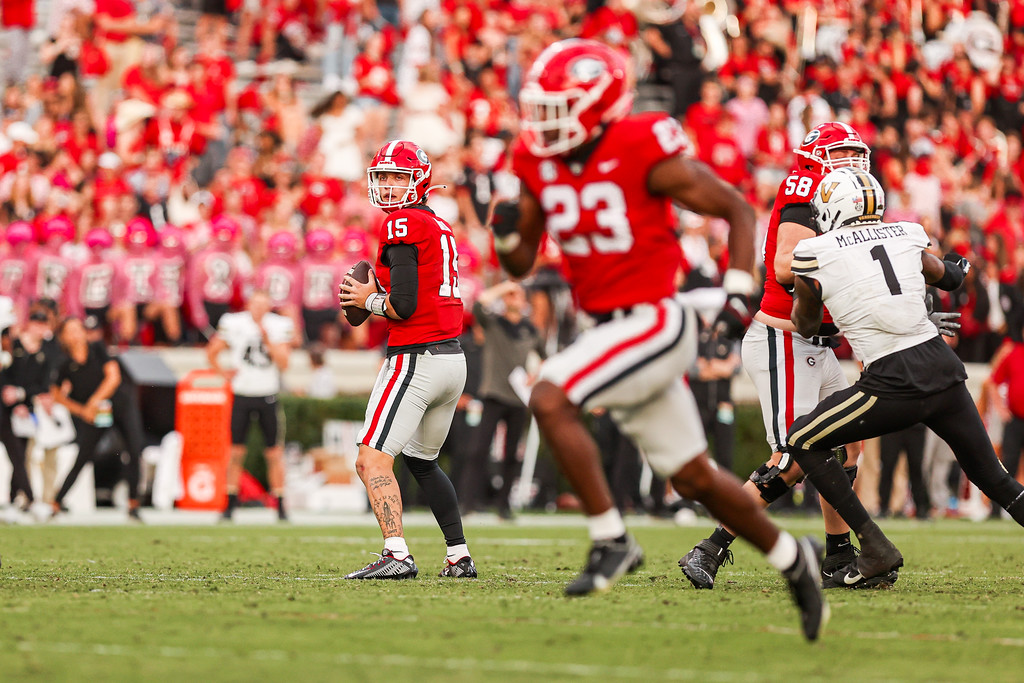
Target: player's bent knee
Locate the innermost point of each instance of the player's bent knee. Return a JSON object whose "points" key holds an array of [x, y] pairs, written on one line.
{"points": [[370, 461], [695, 479], [548, 400]]}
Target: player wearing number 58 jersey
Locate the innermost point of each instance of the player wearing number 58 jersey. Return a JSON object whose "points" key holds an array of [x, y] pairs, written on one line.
{"points": [[417, 389], [791, 372], [872, 276], [602, 183]]}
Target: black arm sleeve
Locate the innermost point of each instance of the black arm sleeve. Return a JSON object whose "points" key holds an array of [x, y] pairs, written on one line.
{"points": [[799, 214], [401, 259]]}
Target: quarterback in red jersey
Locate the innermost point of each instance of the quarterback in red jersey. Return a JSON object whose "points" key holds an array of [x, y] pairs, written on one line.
{"points": [[418, 388], [602, 183], [792, 373]]}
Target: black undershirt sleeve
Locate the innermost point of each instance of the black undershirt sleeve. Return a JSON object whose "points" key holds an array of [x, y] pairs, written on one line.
{"points": [[799, 214], [401, 259]]}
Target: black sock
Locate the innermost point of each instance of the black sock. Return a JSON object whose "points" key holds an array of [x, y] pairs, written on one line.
{"points": [[833, 484], [722, 538], [444, 503], [836, 543], [280, 506], [232, 502]]}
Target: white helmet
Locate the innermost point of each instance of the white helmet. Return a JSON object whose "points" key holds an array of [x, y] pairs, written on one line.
{"points": [[846, 196]]}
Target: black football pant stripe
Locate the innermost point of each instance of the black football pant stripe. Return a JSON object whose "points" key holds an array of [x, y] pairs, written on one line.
{"points": [[410, 371]]}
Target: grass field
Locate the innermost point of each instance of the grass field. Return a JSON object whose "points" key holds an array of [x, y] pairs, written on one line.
{"points": [[268, 603]]}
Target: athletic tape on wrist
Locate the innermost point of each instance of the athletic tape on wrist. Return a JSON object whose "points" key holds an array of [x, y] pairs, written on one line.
{"points": [[375, 304], [738, 281], [505, 244]]}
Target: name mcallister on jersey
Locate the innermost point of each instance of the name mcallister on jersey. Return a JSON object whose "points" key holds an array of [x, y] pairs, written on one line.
{"points": [[869, 234]]}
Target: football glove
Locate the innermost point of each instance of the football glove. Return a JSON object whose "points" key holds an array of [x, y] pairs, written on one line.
{"points": [[958, 260], [735, 316], [504, 224], [957, 268], [945, 323]]}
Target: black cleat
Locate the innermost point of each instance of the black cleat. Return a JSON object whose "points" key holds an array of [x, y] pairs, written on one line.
{"points": [[878, 557], [387, 567], [834, 566], [463, 569], [701, 564], [803, 584], [607, 562]]}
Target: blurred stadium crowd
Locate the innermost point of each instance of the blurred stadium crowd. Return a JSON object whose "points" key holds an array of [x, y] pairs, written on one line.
{"points": [[235, 136]]}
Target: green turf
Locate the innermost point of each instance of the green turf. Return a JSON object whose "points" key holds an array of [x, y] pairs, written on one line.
{"points": [[268, 603]]}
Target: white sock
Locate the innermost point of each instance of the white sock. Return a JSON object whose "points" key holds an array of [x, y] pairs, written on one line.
{"points": [[457, 552], [606, 525], [782, 556], [397, 546]]}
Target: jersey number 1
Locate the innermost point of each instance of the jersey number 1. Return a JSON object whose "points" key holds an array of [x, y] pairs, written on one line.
{"points": [[879, 254]]}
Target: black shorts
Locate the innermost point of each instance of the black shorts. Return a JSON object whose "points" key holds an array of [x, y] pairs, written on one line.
{"points": [[215, 7], [262, 409], [314, 321]]}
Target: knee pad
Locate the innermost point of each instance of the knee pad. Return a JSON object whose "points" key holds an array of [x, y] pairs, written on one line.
{"points": [[851, 472], [769, 484]]}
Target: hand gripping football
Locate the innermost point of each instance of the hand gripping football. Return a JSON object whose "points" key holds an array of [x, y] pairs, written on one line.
{"points": [[360, 272]]}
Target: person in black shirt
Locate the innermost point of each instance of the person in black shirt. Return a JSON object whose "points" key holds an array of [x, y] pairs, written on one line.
{"points": [[88, 384], [26, 380]]}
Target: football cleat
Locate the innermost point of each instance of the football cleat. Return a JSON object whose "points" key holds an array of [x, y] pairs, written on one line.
{"points": [[387, 567], [607, 562], [701, 564], [803, 584], [463, 569], [832, 574]]}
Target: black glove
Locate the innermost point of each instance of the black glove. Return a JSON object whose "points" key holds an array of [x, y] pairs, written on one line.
{"points": [[504, 224], [957, 268], [734, 318], [958, 260]]}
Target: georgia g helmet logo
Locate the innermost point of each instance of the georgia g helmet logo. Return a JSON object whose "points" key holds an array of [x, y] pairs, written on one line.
{"points": [[811, 137], [588, 69]]}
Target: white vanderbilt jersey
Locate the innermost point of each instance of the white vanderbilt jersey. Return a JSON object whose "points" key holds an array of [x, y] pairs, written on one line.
{"points": [[872, 284], [257, 375]]}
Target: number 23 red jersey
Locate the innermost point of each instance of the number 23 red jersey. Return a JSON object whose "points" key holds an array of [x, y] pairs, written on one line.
{"points": [[798, 188], [438, 314], [618, 240]]}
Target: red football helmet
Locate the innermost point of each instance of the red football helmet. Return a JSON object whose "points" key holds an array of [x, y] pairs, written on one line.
{"points": [[60, 227], [20, 232], [172, 239], [225, 229], [320, 241], [99, 238], [406, 158], [140, 233], [574, 89], [819, 144], [283, 244]]}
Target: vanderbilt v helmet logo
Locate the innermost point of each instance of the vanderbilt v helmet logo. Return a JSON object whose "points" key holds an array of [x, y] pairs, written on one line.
{"points": [[826, 192]]}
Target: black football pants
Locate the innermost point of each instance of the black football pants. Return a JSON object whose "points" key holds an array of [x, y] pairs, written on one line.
{"points": [[851, 415]]}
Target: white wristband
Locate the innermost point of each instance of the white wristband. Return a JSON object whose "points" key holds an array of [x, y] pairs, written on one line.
{"points": [[375, 304], [508, 243], [738, 281]]}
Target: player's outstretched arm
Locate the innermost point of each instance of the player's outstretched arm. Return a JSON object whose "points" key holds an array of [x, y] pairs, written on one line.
{"points": [[693, 184], [517, 227], [808, 309]]}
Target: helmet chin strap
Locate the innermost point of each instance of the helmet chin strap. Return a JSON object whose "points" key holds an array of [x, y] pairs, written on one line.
{"points": [[436, 187]]}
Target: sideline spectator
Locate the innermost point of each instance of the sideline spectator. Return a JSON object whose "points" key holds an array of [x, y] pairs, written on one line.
{"points": [[88, 384]]}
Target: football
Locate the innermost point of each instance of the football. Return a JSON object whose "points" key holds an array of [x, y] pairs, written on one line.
{"points": [[360, 272]]}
